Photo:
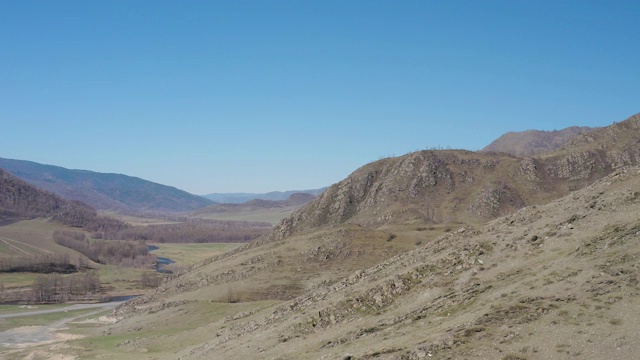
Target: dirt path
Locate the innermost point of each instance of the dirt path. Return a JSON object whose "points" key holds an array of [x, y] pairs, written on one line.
{"points": [[4, 240], [108, 305]]}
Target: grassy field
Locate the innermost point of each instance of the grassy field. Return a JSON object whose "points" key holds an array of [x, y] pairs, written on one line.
{"points": [[35, 237], [41, 319], [17, 280], [189, 254], [121, 281], [272, 216], [135, 220], [167, 334], [13, 309]]}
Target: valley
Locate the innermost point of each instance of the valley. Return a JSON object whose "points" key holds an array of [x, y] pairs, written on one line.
{"points": [[441, 254]]}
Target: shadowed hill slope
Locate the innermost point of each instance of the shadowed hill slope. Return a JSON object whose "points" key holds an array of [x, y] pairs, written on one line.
{"points": [[19, 199], [105, 191]]}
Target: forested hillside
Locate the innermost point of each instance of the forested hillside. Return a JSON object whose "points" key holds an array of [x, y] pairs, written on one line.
{"points": [[19, 199], [105, 191]]}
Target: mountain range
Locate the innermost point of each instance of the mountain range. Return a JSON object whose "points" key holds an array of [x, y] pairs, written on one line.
{"points": [[239, 198], [127, 194]]}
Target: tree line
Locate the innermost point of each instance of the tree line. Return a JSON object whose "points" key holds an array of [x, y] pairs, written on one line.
{"points": [[52, 288], [20, 199], [112, 252], [43, 264], [58, 288]]}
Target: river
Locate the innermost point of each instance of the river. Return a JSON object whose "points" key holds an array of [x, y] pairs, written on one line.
{"points": [[162, 261]]}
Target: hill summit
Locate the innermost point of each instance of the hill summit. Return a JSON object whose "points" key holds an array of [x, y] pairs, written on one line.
{"points": [[534, 142]]}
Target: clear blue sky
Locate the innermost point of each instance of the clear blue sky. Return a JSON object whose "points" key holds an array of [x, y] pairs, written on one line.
{"points": [[254, 96]]}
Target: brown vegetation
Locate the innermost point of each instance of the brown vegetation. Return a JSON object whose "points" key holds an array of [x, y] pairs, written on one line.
{"points": [[196, 231], [113, 252], [58, 288]]}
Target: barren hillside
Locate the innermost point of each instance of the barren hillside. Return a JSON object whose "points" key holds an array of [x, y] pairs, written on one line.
{"points": [[553, 281], [549, 281], [389, 206]]}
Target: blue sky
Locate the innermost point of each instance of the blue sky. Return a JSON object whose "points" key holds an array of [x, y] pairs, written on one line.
{"points": [[255, 96]]}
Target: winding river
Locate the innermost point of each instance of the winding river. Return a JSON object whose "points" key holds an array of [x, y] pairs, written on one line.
{"points": [[162, 261]]}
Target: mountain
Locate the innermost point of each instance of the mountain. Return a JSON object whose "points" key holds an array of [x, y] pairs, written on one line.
{"points": [[550, 281], [294, 200], [534, 142], [105, 191], [271, 211], [20, 200], [239, 198], [449, 253]]}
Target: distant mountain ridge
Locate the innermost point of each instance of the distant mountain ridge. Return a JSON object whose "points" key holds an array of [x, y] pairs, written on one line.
{"points": [[294, 200], [105, 191], [239, 198], [534, 142]]}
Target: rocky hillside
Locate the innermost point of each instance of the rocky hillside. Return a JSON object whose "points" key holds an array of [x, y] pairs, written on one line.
{"points": [[550, 281], [20, 200], [401, 251], [435, 187], [389, 206], [559, 280], [105, 191], [534, 142]]}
